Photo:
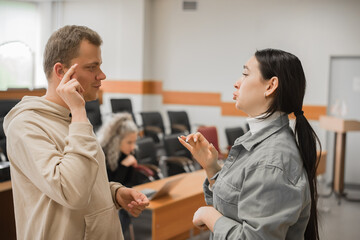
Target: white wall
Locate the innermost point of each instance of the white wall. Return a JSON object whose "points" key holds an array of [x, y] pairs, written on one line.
{"points": [[121, 25], [205, 50]]}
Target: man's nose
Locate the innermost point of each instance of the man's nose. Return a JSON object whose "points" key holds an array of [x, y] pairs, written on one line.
{"points": [[101, 76]]}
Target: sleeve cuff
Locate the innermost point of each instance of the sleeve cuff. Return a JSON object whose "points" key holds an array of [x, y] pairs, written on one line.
{"points": [[208, 190], [215, 176], [223, 227], [81, 128], [113, 187]]}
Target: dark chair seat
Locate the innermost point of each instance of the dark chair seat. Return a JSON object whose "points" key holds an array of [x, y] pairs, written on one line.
{"points": [[179, 122], [232, 134], [94, 114], [122, 105]]}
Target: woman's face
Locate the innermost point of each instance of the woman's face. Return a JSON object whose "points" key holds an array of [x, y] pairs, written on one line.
{"points": [[250, 90], [128, 143]]}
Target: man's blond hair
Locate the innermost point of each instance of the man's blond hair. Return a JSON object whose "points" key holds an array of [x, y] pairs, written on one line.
{"points": [[64, 45]]}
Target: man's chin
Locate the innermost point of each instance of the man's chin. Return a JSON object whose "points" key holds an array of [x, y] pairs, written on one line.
{"points": [[89, 98]]}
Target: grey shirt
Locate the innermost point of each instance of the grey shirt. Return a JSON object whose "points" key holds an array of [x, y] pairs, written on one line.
{"points": [[262, 190]]}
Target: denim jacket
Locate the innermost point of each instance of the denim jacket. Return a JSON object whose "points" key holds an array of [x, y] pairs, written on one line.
{"points": [[262, 190]]}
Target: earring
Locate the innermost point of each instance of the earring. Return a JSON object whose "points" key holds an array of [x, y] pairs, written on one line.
{"points": [[265, 95]]}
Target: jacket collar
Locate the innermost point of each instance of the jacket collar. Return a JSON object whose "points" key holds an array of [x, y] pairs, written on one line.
{"points": [[249, 141]]}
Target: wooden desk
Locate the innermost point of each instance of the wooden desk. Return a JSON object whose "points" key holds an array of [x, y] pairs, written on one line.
{"points": [[172, 215], [7, 218], [321, 169], [340, 127]]}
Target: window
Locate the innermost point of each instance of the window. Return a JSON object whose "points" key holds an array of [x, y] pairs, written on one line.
{"points": [[19, 43]]}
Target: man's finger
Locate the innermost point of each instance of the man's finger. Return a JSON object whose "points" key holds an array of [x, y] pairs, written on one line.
{"points": [[68, 74], [75, 84]]}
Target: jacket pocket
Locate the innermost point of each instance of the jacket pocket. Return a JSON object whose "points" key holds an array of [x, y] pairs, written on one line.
{"points": [[226, 199], [104, 224]]}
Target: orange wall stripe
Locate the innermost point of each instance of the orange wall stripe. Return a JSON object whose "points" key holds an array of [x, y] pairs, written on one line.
{"points": [[191, 98], [310, 112], [152, 87], [229, 109], [20, 93], [133, 87], [314, 112]]}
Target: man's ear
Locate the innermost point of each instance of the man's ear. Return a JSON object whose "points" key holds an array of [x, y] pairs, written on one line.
{"points": [[273, 84], [59, 70]]}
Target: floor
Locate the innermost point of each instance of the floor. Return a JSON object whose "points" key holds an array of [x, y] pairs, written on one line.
{"points": [[339, 221], [336, 221]]}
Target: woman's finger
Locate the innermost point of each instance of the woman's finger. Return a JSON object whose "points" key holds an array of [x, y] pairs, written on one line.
{"points": [[189, 137], [198, 137], [186, 144]]}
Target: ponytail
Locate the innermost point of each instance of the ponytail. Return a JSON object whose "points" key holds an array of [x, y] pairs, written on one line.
{"points": [[306, 140], [288, 98]]}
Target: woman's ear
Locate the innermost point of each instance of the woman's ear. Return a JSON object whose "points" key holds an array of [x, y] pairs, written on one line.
{"points": [[272, 86], [59, 70]]}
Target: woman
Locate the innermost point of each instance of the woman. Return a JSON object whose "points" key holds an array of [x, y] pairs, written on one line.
{"points": [[118, 140], [267, 187]]}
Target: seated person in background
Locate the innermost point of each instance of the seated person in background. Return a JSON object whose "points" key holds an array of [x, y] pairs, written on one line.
{"points": [[118, 140]]}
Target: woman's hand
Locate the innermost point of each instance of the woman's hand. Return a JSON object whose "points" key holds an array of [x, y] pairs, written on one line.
{"points": [[130, 160], [204, 152], [206, 217]]}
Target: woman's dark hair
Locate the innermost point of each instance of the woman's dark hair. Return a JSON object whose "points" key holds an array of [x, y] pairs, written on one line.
{"points": [[288, 98]]}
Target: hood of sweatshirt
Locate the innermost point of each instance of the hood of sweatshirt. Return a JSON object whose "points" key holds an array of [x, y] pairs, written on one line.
{"points": [[38, 105]]}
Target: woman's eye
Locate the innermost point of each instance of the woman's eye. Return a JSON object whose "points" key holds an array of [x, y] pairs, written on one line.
{"points": [[245, 74]]}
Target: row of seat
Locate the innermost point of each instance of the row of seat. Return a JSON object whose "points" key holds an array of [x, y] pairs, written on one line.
{"points": [[152, 122], [153, 128]]}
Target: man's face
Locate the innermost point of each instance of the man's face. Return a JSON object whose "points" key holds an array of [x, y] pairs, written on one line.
{"points": [[88, 72]]}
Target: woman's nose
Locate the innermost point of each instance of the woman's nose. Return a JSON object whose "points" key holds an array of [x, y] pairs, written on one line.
{"points": [[237, 84]]}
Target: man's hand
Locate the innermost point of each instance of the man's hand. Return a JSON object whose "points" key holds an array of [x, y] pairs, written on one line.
{"points": [[71, 92], [131, 200]]}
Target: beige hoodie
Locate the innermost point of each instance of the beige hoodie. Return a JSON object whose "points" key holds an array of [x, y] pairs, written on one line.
{"points": [[58, 175]]}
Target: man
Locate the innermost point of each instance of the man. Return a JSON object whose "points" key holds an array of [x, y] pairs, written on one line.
{"points": [[58, 172]]}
